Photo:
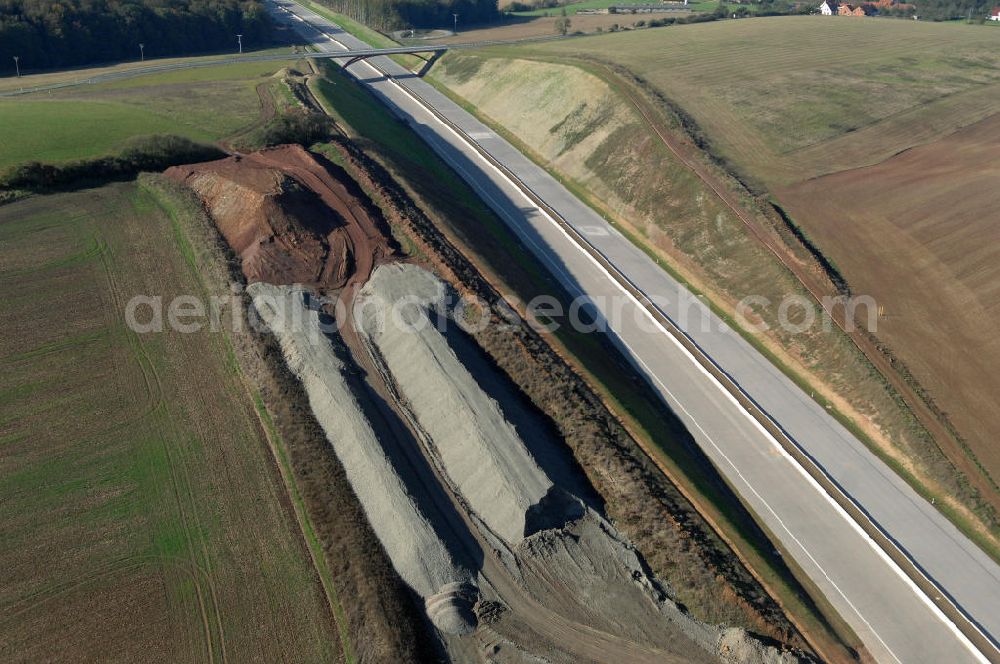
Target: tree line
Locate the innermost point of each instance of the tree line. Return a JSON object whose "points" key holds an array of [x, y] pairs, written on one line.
{"points": [[58, 33], [943, 10], [396, 14]]}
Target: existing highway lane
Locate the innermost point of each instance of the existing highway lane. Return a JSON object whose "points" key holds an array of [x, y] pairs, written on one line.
{"points": [[895, 620]]}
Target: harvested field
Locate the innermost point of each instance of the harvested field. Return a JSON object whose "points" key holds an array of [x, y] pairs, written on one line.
{"points": [[919, 232], [768, 100], [290, 221], [144, 518]]}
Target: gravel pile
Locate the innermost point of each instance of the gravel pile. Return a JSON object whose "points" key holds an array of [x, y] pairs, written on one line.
{"points": [[397, 312], [417, 552]]}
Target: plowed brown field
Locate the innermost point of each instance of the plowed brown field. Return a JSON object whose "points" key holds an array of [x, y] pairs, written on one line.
{"points": [[921, 233]]}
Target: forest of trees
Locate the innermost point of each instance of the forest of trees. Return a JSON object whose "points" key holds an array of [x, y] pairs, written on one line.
{"points": [[942, 10], [395, 14], [59, 33]]}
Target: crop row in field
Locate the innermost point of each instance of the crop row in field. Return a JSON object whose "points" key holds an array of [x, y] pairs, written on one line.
{"points": [[133, 468]]}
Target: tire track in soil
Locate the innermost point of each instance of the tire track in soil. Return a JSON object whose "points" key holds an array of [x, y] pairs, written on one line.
{"points": [[158, 412], [127, 563], [268, 110]]}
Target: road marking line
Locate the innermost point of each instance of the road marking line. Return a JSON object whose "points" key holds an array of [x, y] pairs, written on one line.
{"points": [[839, 510], [878, 550]]}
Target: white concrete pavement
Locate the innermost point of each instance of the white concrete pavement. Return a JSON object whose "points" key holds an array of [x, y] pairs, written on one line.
{"points": [[896, 621]]}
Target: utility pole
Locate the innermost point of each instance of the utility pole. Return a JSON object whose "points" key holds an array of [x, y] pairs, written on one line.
{"points": [[456, 23], [239, 40], [17, 65], [142, 52]]}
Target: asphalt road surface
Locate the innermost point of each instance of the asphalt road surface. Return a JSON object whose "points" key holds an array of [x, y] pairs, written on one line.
{"points": [[895, 620]]}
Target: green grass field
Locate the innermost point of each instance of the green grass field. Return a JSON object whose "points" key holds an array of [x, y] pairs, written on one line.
{"points": [[76, 123], [143, 516], [785, 98], [54, 131]]}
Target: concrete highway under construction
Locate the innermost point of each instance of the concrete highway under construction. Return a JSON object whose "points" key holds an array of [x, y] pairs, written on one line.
{"points": [[912, 587]]}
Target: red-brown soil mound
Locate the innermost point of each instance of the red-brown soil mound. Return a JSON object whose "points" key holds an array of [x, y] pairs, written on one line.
{"points": [[290, 219]]}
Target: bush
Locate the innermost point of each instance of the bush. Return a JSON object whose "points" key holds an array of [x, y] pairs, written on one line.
{"points": [[140, 153], [297, 126]]}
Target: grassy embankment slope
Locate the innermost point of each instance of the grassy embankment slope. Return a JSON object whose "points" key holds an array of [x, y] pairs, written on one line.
{"points": [[133, 469], [469, 224], [774, 100]]}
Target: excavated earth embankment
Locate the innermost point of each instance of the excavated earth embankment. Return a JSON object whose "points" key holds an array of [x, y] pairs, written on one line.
{"points": [[477, 514], [288, 218]]}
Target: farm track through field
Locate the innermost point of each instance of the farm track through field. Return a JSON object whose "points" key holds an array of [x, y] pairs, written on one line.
{"points": [[268, 110]]}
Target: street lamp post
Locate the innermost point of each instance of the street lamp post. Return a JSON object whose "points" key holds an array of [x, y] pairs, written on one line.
{"points": [[17, 65], [456, 22], [239, 41], [142, 52]]}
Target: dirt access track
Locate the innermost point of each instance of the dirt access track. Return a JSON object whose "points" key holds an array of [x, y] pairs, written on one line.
{"points": [[289, 218]]}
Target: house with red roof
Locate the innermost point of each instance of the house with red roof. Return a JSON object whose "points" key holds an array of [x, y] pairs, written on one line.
{"points": [[854, 10]]}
